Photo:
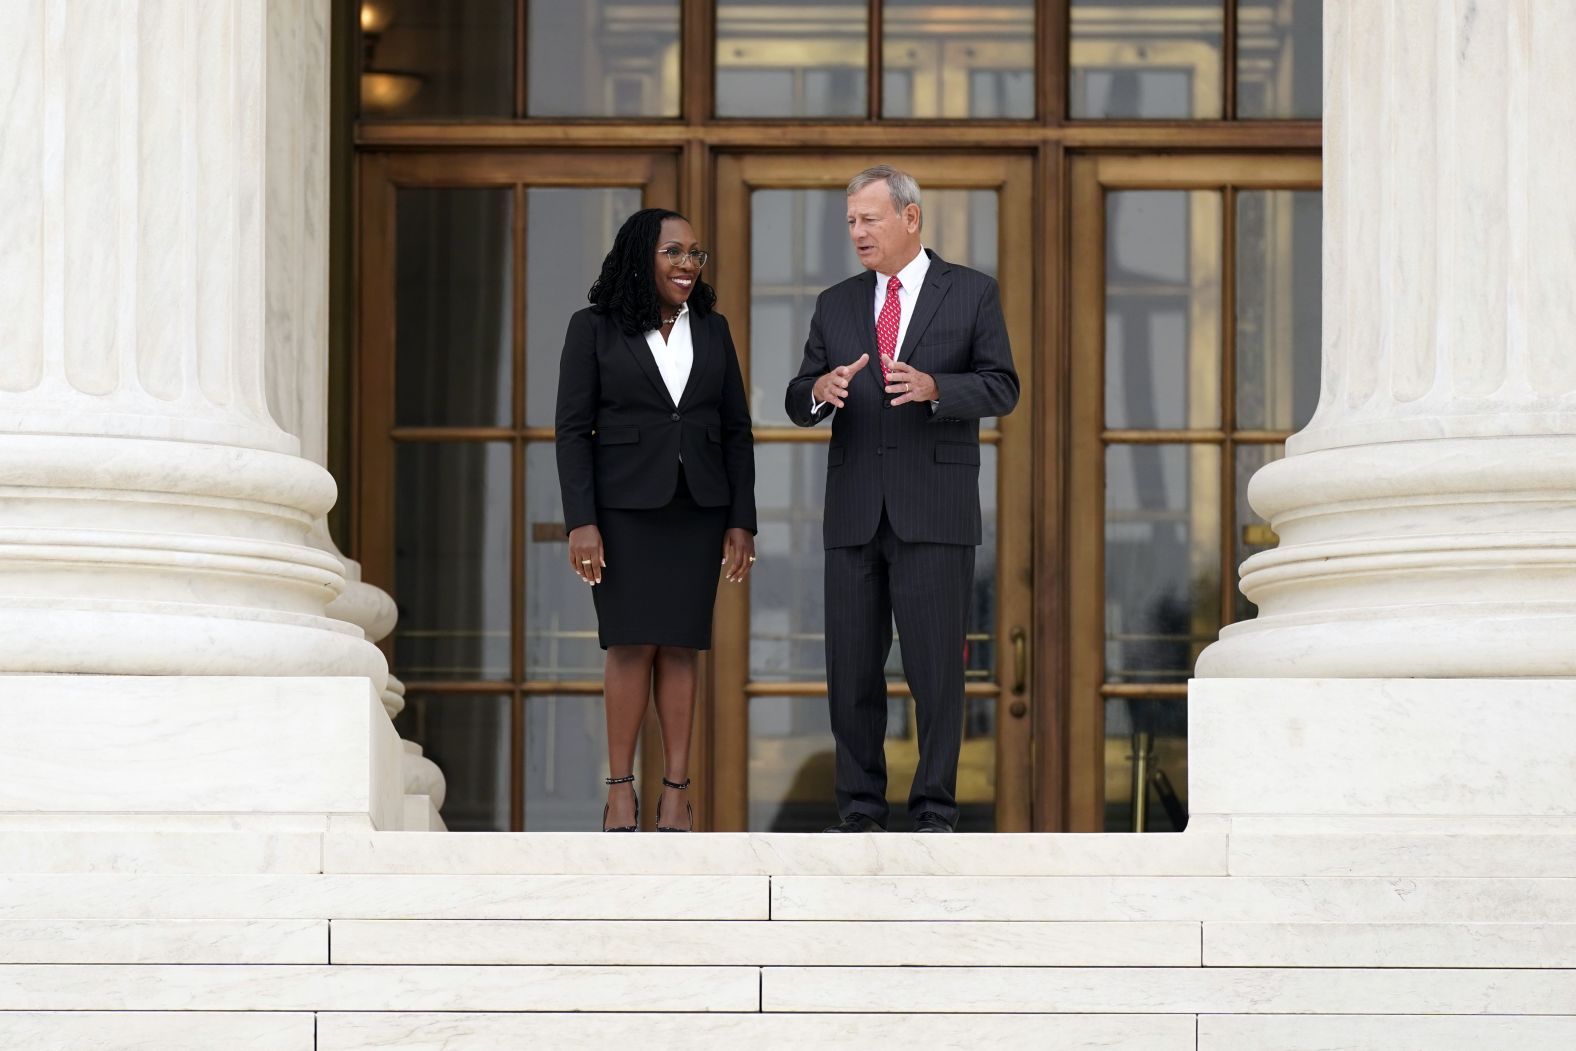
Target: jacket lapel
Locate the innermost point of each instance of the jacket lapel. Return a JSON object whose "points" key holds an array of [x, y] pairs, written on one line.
{"points": [[648, 364], [865, 324], [938, 279], [701, 359]]}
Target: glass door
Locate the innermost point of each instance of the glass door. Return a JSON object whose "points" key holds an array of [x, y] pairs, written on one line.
{"points": [[1195, 352], [781, 239], [469, 267]]}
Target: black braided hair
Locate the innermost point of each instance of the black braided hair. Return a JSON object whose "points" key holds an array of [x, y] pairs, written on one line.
{"points": [[627, 286]]}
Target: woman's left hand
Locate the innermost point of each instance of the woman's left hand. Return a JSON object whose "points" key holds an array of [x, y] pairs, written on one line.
{"points": [[738, 555]]}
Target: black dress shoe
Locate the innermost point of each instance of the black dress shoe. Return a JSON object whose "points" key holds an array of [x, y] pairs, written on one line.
{"points": [[929, 822], [856, 823]]}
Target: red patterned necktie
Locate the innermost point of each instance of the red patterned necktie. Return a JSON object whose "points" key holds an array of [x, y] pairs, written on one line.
{"points": [[887, 325]]}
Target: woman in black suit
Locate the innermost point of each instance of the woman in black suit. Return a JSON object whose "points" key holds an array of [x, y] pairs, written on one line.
{"points": [[657, 467]]}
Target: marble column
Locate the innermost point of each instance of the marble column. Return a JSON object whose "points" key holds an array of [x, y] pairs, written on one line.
{"points": [[164, 173], [1418, 619]]}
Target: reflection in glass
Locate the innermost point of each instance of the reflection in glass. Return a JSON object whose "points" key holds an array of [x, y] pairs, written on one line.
{"points": [[567, 232], [1253, 532], [1279, 267], [560, 620], [431, 58], [799, 247], [787, 587], [467, 735], [1280, 52], [451, 560], [1153, 730], [453, 329], [1162, 559], [958, 60], [565, 762], [1146, 59], [599, 58], [791, 58], [1162, 309], [792, 764]]}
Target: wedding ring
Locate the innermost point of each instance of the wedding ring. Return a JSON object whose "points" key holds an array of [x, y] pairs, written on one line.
{"points": [[752, 558], [585, 561]]}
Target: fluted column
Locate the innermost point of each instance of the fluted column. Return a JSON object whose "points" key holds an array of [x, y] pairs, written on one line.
{"points": [[163, 172], [1427, 515]]}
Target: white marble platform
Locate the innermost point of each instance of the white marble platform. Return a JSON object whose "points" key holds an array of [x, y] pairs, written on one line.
{"points": [[1383, 1033], [152, 850], [164, 941], [156, 1031], [118, 896], [70, 987], [1206, 990], [695, 942], [1198, 852], [729, 1032], [1177, 898], [1390, 945]]}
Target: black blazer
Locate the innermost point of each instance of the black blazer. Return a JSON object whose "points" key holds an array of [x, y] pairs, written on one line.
{"points": [[923, 467], [619, 435]]}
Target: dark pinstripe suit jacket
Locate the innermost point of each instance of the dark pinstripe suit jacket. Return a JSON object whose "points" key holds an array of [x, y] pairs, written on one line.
{"points": [[923, 466]]}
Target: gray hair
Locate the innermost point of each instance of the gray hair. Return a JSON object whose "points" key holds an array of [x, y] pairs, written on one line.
{"points": [[904, 190]]}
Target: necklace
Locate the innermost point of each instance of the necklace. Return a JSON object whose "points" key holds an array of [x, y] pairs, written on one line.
{"points": [[669, 320]]}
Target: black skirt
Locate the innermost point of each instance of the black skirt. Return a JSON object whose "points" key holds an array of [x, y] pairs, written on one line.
{"points": [[663, 566]]}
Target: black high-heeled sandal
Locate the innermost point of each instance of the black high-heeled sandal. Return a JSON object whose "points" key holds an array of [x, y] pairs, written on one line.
{"points": [[687, 807], [627, 779]]}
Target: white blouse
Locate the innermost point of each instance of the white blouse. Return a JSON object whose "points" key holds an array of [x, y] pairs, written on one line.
{"points": [[675, 355]]}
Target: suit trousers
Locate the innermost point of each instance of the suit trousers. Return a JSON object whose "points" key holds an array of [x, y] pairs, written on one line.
{"points": [[925, 587]]}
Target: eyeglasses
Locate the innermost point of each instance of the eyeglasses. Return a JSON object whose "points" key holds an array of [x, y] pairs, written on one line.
{"points": [[675, 253]]}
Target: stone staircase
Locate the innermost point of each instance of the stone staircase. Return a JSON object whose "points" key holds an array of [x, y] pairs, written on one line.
{"points": [[1233, 935]]}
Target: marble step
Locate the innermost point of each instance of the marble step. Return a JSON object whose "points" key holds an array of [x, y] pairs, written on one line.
{"points": [[1383, 1033], [691, 943], [156, 1031], [1175, 898], [729, 1032], [1390, 945], [73, 987], [163, 941], [1526, 847], [149, 849], [1202, 990], [105, 896], [1194, 853]]}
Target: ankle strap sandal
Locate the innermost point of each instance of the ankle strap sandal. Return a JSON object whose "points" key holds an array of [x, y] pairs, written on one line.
{"points": [[627, 779], [688, 809]]}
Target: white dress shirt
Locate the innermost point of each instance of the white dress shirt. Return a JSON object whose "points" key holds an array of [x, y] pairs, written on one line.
{"points": [[675, 355], [910, 280]]}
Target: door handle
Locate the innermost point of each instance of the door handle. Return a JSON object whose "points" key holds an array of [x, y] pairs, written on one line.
{"points": [[1020, 660]]}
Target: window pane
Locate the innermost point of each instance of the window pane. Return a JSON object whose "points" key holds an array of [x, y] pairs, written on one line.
{"points": [[601, 58], [454, 334], [468, 737], [958, 60], [567, 232], [792, 764], [1162, 559], [1280, 52], [1162, 309], [451, 560], [1156, 730], [1253, 532], [1279, 267], [1146, 59], [432, 58], [787, 586], [565, 762], [791, 58], [560, 619]]}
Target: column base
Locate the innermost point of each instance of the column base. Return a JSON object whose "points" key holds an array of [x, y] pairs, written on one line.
{"points": [[1382, 749], [250, 750]]}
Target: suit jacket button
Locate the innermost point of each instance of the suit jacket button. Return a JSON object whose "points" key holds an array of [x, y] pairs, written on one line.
{"points": [[879, 450], [674, 417]]}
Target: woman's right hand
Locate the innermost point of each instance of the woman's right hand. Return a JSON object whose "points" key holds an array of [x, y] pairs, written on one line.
{"points": [[585, 553]]}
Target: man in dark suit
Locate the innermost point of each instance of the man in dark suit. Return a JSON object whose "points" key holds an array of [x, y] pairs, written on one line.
{"points": [[906, 358]]}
